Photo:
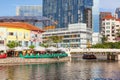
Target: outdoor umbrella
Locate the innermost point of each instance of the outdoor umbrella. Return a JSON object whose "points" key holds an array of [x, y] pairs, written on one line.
{"points": [[62, 49], [18, 48], [4, 48], [39, 48], [52, 48], [25, 48]]}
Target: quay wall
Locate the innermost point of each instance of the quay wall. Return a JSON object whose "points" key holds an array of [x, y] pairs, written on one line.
{"points": [[17, 60]]}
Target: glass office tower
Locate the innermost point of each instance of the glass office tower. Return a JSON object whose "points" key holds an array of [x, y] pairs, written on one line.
{"points": [[65, 12], [29, 10], [117, 11], [31, 14]]}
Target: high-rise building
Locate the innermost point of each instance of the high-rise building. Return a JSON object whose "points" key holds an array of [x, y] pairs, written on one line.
{"points": [[117, 12], [65, 12], [29, 10], [101, 16], [95, 14]]}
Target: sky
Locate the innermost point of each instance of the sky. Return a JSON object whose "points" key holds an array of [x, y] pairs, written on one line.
{"points": [[8, 7], [109, 5], [101, 6]]}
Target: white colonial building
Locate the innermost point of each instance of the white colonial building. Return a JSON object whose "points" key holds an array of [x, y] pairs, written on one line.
{"points": [[76, 35], [110, 28]]}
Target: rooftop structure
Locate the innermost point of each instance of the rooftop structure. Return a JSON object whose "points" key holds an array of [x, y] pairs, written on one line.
{"points": [[29, 10], [34, 20], [20, 25], [117, 12]]}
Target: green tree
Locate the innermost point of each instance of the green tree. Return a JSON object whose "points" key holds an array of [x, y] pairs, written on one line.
{"points": [[31, 46], [13, 44], [55, 39], [110, 45], [44, 44]]}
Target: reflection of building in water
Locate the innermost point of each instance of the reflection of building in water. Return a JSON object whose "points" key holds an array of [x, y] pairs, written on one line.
{"points": [[10, 72], [23, 72], [3, 72]]}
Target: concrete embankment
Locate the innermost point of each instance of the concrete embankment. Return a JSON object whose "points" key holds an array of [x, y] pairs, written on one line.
{"points": [[17, 60]]}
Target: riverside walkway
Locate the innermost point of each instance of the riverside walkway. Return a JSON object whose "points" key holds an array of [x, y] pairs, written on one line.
{"points": [[93, 50], [111, 54]]}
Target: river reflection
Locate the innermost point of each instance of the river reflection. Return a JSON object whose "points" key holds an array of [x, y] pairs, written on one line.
{"points": [[77, 69]]}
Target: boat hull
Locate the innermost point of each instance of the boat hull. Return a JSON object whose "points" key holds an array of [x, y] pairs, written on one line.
{"points": [[89, 56]]}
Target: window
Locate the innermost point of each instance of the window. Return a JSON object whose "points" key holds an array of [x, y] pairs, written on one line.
{"points": [[113, 23], [20, 33], [1, 41], [107, 27], [103, 23], [117, 25], [26, 34], [35, 35], [11, 33], [107, 23], [9, 41], [107, 31], [26, 43], [20, 42]]}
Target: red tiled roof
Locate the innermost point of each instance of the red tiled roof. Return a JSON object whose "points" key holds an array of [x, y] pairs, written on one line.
{"points": [[109, 17], [22, 25], [117, 19]]}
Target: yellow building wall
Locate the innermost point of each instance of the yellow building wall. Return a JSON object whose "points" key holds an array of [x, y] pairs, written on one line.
{"points": [[22, 34]]}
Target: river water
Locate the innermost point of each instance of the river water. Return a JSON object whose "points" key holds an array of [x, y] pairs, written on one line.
{"points": [[77, 69]]}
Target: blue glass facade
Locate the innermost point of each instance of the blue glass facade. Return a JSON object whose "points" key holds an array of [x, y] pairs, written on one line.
{"points": [[66, 12], [118, 12], [34, 20]]}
